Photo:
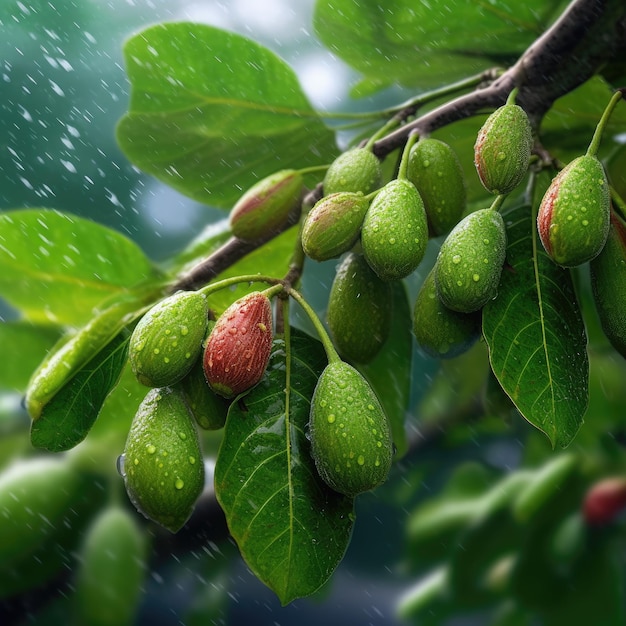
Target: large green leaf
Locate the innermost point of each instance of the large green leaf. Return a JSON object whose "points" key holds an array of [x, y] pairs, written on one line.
{"points": [[68, 417], [212, 112], [421, 44], [57, 267], [390, 372], [24, 346], [536, 336], [291, 528]]}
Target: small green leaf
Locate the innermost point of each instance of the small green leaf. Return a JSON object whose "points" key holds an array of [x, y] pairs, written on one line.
{"points": [[56, 267], [291, 529], [536, 337], [24, 346], [68, 417], [389, 373], [212, 112]]}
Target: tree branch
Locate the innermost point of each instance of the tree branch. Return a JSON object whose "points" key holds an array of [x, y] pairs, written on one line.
{"points": [[564, 57]]}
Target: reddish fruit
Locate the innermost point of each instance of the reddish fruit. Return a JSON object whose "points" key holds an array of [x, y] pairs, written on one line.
{"points": [[239, 346], [604, 501]]}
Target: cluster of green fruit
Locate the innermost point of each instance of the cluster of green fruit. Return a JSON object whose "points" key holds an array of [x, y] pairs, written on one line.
{"points": [[195, 374]]}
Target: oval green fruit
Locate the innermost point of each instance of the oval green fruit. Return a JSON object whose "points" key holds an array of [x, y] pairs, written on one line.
{"points": [[395, 231], [440, 331], [265, 207], [111, 571], [608, 283], [574, 215], [502, 149], [436, 172], [350, 435], [359, 310], [35, 496], [470, 261], [333, 225], [163, 467], [355, 170], [208, 408], [167, 341]]}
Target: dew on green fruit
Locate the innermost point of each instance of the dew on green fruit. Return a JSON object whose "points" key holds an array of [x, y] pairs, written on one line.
{"points": [[456, 259], [168, 332], [323, 403], [585, 223], [184, 330], [136, 461], [182, 435], [192, 460], [119, 465], [151, 449], [139, 346], [174, 344], [501, 156], [156, 351], [392, 240], [361, 460], [179, 484], [371, 407], [166, 359], [486, 241], [187, 355], [476, 277], [342, 384], [331, 418]]}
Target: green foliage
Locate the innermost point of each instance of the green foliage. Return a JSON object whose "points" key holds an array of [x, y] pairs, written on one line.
{"points": [[211, 114], [266, 482]]}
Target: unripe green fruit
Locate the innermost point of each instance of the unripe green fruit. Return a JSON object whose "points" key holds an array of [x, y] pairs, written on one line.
{"points": [[435, 170], [208, 408], [502, 149], [470, 261], [265, 207], [395, 231], [608, 282], [354, 170], [350, 436], [333, 225], [359, 310], [163, 468], [574, 215], [111, 571], [35, 496], [440, 331], [238, 349], [168, 339]]}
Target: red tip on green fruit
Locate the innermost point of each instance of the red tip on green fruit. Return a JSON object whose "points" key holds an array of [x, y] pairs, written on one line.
{"points": [[265, 207], [574, 215], [502, 149], [238, 349]]}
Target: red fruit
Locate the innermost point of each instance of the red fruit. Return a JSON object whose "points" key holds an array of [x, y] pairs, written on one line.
{"points": [[604, 501], [239, 346]]}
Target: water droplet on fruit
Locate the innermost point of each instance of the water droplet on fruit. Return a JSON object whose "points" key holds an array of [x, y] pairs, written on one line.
{"points": [[192, 460], [331, 418], [456, 259], [136, 461], [361, 460], [156, 351], [183, 436], [476, 277], [119, 464], [184, 330], [166, 359], [151, 449], [179, 484]]}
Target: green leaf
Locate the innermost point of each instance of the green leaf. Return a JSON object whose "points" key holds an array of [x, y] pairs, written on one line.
{"points": [[422, 44], [389, 373], [56, 267], [291, 528], [68, 417], [24, 346], [536, 336], [212, 112]]}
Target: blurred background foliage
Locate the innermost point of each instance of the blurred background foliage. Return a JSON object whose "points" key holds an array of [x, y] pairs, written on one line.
{"points": [[480, 522]]}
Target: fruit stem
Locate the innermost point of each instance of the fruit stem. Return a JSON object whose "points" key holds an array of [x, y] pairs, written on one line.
{"points": [[331, 353], [390, 125], [497, 203], [404, 163], [270, 292], [235, 280], [592, 150], [511, 97], [313, 169]]}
